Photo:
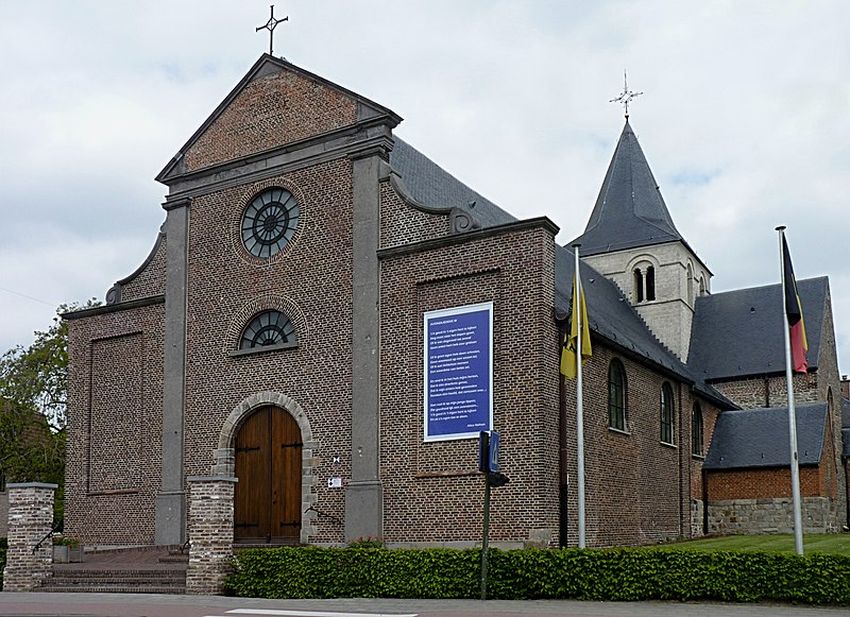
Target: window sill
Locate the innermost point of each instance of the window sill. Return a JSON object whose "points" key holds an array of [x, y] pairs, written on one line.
{"points": [[619, 431], [697, 457], [263, 349], [669, 445]]}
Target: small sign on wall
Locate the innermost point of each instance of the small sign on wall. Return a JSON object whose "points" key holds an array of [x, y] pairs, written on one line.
{"points": [[458, 367], [334, 482]]}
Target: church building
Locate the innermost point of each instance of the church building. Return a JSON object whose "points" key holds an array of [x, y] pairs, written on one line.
{"points": [[331, 318]]}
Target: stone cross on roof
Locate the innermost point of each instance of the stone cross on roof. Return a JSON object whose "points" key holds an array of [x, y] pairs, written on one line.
{"points": [[626, 95], [270, 25]]}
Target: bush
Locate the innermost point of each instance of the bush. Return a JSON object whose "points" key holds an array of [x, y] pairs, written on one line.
{"points": [[594, 574]]}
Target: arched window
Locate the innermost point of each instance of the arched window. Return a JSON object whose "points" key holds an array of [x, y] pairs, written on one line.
{"points": [[617, 395], [650, 283], [667, 414], [266, 329], [697, 439], [702, 288], [638, 285], [690, 285]]}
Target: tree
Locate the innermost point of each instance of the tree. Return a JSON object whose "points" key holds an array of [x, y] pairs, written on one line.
{"points": [[33, 405], [36, 377]]}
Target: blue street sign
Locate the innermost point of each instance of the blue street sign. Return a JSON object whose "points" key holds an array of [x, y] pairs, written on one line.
{"points": [[493, 455]]}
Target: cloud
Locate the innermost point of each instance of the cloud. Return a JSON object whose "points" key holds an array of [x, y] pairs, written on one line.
{"points": [[743, 119]]}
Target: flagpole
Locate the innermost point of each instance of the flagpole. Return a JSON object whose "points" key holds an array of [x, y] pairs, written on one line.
{"points": [[792, 413], [579, 407]]}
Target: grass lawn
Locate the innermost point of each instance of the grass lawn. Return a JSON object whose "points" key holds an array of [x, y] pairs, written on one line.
{"points": [[833, 543]]}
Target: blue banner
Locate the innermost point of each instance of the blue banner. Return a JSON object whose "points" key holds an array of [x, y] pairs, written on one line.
{"points": [[458, 372]]}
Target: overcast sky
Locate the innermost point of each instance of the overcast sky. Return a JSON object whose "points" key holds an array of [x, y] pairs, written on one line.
{"points": [[745, 120]]}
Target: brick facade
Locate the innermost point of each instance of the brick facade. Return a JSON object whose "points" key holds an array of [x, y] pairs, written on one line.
{"points": [[114, 426], [638, 489], [334, 162], [432, 491], [271, 111]]}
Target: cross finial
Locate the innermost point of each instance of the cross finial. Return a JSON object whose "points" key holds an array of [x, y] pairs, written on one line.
{"points": [[270, 25], [626, 95]]}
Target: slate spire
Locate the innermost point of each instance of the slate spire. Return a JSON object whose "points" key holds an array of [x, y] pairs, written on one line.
{"points": [[629, 211]]}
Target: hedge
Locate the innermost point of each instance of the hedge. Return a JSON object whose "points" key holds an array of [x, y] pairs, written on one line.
{"points": [[529, 574]]}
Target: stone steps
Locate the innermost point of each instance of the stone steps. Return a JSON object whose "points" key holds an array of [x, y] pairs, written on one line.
{"points": [[129, 571]]}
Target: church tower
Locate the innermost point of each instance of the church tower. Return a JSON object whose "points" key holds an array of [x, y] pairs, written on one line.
{"points": [[631, 239]]}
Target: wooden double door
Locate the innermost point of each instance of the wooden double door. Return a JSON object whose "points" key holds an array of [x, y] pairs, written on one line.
{"points": [[268, 466]]}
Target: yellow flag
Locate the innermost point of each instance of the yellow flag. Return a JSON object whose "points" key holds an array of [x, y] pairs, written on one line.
{"points": [[569, 367]]}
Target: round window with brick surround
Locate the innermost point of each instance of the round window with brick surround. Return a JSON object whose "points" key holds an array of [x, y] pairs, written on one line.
{"points": [[269, 222], [266, 329]]}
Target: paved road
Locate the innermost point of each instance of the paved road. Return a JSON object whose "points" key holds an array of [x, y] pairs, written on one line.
{"points": [[140, 605]]}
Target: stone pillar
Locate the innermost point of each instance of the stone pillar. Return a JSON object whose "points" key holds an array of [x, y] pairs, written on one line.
{"points": [[30, 520], [210, 533], [170, 517], [364, 493]]}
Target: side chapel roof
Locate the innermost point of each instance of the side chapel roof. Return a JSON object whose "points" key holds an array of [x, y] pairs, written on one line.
{"points": [[759, 437], [739, 333], [629, 211]]}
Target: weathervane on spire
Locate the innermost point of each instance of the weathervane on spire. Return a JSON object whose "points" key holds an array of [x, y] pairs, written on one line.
{"points": [[626, 95], [270, 25]]}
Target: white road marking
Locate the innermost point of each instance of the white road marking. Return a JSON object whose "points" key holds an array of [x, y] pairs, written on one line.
{"points": [[292, 613]]}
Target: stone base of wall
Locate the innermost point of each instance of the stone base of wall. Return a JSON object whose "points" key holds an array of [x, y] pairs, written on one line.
{"points": [[696, 518], [765, 516]]}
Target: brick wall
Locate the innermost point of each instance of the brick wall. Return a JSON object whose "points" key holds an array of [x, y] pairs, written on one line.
{"points": [[310, 279], [271, 111], [770, 391], [30, 519], [431, 491], [637, 488], [761, 483], [210, 534], [403, 224], [115, 388], [829, 387]]}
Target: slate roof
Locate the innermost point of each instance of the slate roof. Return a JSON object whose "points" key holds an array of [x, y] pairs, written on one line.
{"points": [[739, 333], [610, 314], [629, 210], [759, 437], [433, 186]]}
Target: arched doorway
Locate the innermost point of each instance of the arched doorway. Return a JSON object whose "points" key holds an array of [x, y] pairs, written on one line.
{"points": [[268, 466]]}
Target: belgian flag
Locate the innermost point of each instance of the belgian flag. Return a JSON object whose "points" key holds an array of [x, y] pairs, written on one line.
{"points": [[794, 314]]}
